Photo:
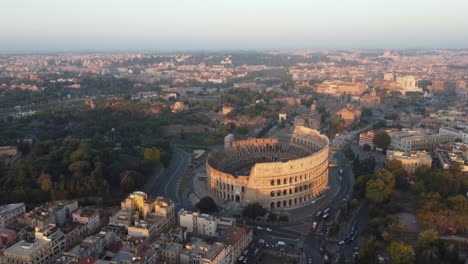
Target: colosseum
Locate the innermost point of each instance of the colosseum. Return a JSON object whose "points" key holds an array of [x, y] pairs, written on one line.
{"points": [[275, 173]]}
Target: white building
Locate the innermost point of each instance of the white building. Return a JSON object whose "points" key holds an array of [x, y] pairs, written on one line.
{"points": [[10, 212], [461, 134], [203, 224], [89, 217], [411, 140], [48, 243]]}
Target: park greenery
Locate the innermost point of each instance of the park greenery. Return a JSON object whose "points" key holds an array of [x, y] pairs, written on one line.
{"points": [[81, 153], [437, 197]]}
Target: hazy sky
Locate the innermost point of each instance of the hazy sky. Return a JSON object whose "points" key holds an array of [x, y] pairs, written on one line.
{"points": [[87, 25]]}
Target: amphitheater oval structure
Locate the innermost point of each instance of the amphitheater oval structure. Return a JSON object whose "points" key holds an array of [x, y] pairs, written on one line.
{"points": [[278, 174]]}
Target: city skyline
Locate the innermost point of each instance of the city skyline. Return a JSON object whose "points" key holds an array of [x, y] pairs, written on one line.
{"points": [[85, 26]]}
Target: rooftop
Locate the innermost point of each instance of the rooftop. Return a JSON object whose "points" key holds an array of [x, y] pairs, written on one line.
{"points": [[7, 208], [26, 248]]}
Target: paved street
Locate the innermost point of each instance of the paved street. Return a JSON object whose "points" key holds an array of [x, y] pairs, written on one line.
{"points": [[297, 234], [168, 184]]}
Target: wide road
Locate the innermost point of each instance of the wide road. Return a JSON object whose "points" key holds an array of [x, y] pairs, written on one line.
{"points": [[168, 185]]}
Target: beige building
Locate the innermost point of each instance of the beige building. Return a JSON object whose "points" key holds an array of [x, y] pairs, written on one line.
{"points": [[48, 243], [274, 173], [366, 138], [198, 251], [337, 88], [370, 100], [411, 161], [89, 217], [349, 115], [143, 216], [239, 238]]}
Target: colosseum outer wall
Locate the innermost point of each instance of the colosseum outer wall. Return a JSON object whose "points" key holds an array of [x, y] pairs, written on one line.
{"points": [[288, 184]]}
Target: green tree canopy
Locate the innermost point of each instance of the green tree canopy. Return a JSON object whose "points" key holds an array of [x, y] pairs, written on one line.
{"points": [[401, 252], [152, 154], [254, 210], [206, 205], [382, 140], [427, 237]]}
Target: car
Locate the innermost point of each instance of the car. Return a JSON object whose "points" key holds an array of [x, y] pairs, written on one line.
{"points": [[310, 261], [259, 228], [314, 227], [341, 243], [341, 171], [245, 260], [318, 214], [326, 211], [269, 229], [325, 216]]}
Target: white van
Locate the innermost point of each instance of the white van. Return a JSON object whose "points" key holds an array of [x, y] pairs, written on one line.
{"points": [[281, 243]]}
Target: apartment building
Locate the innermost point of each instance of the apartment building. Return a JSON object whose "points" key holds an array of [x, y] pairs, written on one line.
{"points": [[203, 224], [89, 217], [143, 216], [9, 213], [48, 243], [461, 134], [366, 138]]}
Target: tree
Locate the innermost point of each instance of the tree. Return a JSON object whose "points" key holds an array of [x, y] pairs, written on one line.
{"points": [[272, 217], [401, 252], [206, 205], [152, 154], [427, 237], [127, 183], [336, 125], [342, 259], [382, 140], [367, 252], [366, 147], [381, 186], [45, 183], [254, 210]]}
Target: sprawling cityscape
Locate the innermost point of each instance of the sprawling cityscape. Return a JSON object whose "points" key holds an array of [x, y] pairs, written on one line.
{"points": [[225, 156]]}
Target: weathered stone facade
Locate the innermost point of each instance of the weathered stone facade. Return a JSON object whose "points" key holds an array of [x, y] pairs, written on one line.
{"points": [[273, 173]]}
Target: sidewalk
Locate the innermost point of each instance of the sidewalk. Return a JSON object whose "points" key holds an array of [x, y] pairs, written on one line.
{"points": [[201, 189]]}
